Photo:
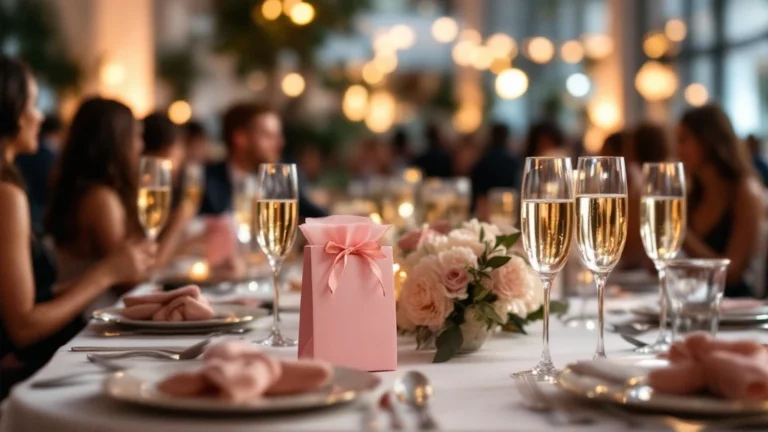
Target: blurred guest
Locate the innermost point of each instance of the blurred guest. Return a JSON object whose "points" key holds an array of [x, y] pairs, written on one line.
{"points": [[758, 160], [93, 210], [310, 162], [644, 144], [465, 156], [197, 142], [34, 324], [370, 158], [546, 139], [725, 202], [401, 151], [36, 168], [253, 135], [163, 139], [496, 168], [436, 160]]}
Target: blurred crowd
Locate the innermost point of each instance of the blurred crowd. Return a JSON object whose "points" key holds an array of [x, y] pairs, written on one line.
{"points": [[71, 238]]}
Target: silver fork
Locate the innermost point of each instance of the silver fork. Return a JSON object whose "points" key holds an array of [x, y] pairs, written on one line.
{"points": [[570, 414], [190, 353], [67, 379]]}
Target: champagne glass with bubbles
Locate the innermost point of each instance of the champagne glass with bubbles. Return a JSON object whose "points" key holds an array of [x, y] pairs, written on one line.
{"points": [[546, 226], [276, 219], [154, 197], [601, 223], [662, 229]]}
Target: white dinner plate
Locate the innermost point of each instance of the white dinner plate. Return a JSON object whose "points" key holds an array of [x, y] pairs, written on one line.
{"points": [[745, 316], [139, 386], [642, 397], [226, 315]]}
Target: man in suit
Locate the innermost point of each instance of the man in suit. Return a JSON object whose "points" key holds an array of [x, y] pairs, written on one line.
{"points": [[253, 135]]}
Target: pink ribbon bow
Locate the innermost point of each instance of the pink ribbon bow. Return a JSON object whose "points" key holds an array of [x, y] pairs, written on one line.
{"points": [[368, 250]]}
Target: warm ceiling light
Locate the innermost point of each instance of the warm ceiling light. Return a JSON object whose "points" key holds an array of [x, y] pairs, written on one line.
{"points": [[598, 46], [468, 118], [656, 45], [180, 112], [386, 62], [271, 9], [500, 44], [445, 29], [463, 52], [402, 36], [302, 13], [511, 84], [572, 51], [696, 94], [605, 115], [676, 30], [293, 84], [656, 81], [482, 58], [355, 103], [371, 74], [540, 50], [471, 35]]}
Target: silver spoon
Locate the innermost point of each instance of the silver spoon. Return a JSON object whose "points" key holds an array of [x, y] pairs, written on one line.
{"points": [[414, 390]]}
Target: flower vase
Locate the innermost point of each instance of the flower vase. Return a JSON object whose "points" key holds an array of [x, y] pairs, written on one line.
{"points": [[475, 334]]}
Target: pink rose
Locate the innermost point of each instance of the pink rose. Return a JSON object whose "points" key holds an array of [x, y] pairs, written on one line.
{"points": [[412, 240], [513, 280], [423, 298], [455, 277]]}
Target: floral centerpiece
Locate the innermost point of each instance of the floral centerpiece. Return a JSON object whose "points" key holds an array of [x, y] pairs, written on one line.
{"points": [[463, 284]]}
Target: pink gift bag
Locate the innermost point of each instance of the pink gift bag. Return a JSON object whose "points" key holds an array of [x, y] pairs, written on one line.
{"points": [[347, 294]]}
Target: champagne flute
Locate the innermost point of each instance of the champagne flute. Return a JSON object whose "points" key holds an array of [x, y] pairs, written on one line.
{"points": [[277, 214], [193, 181], [154, 197], [601, 223], [662, 229], [154, 200], [243, 200], [547, 229]]}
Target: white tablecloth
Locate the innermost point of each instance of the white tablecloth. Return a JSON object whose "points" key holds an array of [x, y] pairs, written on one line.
{"points": [[473, 392]]}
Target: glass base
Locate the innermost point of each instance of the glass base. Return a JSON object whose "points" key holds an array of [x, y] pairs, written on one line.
{"points": [[540, 373], [276, 339], [588, 322], [657, 347]]}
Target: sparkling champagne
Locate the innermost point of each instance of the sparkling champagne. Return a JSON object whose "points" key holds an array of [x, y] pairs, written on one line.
{"points": [[193, 194], [601, 229], [547, 227], [277, 221], [154, 208], [662, 225]]}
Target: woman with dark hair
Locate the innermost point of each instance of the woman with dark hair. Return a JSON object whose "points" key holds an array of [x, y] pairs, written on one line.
{"points": [[545, 139], [93, 211], [725, 201], [33, 324]]}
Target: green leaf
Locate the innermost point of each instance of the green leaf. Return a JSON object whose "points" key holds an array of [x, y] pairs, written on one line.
{"points": [[481, 292], [556, 308], [498, 261], [491, 313], [482, 234], [448, 344], [515, 324]]}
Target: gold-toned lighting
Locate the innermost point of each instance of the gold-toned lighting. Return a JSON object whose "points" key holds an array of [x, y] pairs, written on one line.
{"points": [[302, 13], [468, 118], [355, 103], [445, 29], [180, 112], [271, 9], [471, 35], [594, 139], [500, 64], [381, 112], [385, 62], [288, 6], [402, 36], [696, 94], [604, 114], [293, 84], [572, 51], [500, 44], [371, 74], [463, 52], [656, 81], [656, 45], [112, 74], [511, 83], [676, 30], [482, 58], [598, 46], [540, 49]]}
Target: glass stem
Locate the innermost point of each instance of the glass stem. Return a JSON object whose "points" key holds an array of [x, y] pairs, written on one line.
{"points": [[664, 304], [276, 297], [546, 359], [583, 309], [600, 284]]}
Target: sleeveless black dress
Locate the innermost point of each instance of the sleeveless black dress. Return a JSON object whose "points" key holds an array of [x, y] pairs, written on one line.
{"points": [[35, 356], [717, 239]]}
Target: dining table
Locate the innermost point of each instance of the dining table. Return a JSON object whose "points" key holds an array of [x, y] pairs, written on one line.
{"points": [[473, 392]]}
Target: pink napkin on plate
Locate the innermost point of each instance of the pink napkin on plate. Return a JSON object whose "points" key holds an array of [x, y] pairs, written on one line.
{"points": [[238, 372], [731, 369], [182, 304]]}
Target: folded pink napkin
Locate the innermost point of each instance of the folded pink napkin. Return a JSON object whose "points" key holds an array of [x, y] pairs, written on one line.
{"points": [[731, 369], [183, 304], [237, 371]]}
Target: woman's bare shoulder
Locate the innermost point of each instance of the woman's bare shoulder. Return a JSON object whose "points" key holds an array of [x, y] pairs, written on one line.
{"points": [[13, 198]]}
